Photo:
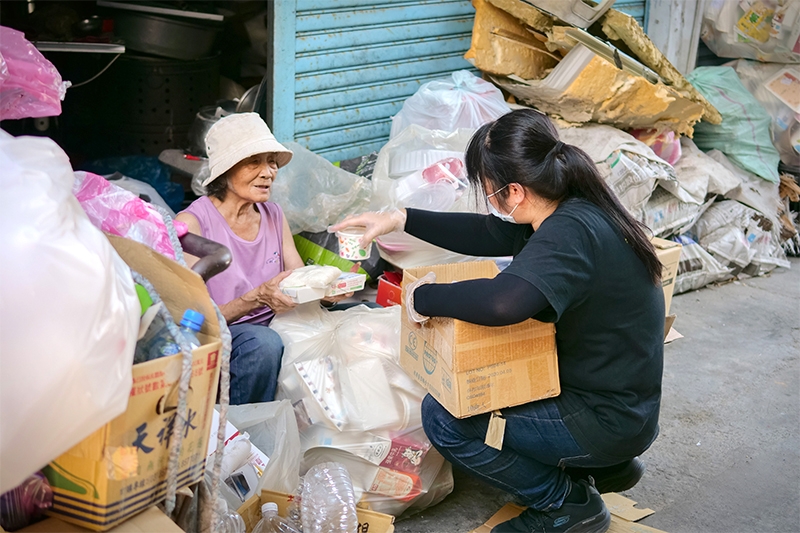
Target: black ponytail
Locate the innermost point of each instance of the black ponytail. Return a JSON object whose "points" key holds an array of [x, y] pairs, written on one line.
{"points": [[523, 147]]}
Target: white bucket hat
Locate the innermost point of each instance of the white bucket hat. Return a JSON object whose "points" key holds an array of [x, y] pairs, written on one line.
{"points": [[237, 137]]}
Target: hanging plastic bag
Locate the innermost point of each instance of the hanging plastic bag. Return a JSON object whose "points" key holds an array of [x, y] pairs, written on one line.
{"points": [[273, 430], [120, 212], [744, 134], [30, 86], [461, 101], [766, 30], [314, 193], [69, 315]]}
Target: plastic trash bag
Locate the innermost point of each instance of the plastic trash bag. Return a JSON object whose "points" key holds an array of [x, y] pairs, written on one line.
{"points": [[461, 101], [69, 314], [314, 194], [699, 175], [759, 79], [144, 168], [120, 212], [665, 145], [356, 405], [273, 430], [143, 190], [766, 30], [744, 134], [30, 86]]}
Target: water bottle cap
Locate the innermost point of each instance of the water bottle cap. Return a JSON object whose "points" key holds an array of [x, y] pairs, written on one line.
{"points": [[193, 319], [269, 507]]}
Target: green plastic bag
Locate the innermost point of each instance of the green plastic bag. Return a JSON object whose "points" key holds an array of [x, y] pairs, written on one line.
{"points": [[744, 134]]}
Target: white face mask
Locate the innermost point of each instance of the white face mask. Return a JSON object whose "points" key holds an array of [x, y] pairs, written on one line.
{"points": [[507, 218]]}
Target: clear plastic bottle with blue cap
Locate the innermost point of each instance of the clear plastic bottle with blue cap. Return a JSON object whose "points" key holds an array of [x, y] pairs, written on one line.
{"points": [[159, 342]]}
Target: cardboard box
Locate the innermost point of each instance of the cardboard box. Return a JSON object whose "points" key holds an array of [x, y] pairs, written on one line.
{"points": [[120, 470], [150, 521], [388, 292], [347, 282], [669, 253], [368, 521], [619, 523], [473, 369]]}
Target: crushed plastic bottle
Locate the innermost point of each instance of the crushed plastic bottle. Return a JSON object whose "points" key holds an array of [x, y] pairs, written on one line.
{"points": [[22, 504], [158, 342], [228, 521], [328, 502], [272, 523]]}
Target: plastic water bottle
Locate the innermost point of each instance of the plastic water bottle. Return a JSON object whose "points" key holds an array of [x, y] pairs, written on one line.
{"points": [[328, 504], [158, 341], [29, 500], [272, 523], [228, 521]]}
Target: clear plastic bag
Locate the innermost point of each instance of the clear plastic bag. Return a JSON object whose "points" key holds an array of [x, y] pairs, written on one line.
{"points": [[69, 315], [30, 86], [357, 406], [461, 101], [120, 212], [273, 430], [314, 194], [765, 30]]}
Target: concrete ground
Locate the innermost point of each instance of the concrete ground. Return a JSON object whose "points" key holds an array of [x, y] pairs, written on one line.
{"points": [[728, 456]]}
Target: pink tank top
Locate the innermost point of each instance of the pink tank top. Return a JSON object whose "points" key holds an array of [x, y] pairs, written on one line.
{"points": [[254, 262]]}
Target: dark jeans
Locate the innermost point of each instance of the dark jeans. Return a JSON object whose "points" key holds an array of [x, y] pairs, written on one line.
{"points": [[256, 353], [536, 447]]}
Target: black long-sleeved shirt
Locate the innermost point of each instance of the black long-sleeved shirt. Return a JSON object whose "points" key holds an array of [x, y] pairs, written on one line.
{"points": [[504, 300]]}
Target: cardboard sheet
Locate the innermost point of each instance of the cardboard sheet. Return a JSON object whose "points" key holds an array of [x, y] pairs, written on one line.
{"points": [[149, 521], [625, 508], [618, 525]]}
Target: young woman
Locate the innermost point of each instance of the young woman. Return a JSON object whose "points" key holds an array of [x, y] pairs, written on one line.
{"points": [[581, 261]]}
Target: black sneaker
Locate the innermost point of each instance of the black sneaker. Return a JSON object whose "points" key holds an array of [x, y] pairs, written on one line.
{"points": [[615, 478], [591, 516]]}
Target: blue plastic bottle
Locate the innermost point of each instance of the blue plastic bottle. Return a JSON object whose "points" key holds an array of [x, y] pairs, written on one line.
{"points": [[158, 342]]}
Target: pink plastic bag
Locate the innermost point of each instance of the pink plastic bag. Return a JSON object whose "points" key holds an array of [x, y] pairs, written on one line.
{"points": [[30, 86], [666, 145], [120, 212]]}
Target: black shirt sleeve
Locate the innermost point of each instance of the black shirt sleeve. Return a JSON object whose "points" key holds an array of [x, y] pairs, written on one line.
{"points": [[468, 233], [501, 301]]}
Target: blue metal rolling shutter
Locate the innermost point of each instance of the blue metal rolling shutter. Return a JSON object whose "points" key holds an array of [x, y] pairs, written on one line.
{"points": [[354, 63], [635, 8]]}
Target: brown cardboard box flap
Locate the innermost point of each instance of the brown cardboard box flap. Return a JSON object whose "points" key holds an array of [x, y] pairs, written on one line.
{"points": [[624, 508], [177, 284]]}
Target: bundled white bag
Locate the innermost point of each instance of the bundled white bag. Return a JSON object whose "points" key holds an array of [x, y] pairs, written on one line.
{"points": [[69, 314], [461, 101]]}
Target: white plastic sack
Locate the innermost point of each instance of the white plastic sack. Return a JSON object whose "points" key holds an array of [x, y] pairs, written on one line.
{"points": [[314, 193], [69, 314], [461, 101], [628, 165], [273, 430], [697, 268], [761, 195], [720, 230], [355, 404], [765, 30], [699, 175]]}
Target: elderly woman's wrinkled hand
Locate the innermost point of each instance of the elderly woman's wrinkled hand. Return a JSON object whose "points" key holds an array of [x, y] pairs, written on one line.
{"points": [[269, 294]]}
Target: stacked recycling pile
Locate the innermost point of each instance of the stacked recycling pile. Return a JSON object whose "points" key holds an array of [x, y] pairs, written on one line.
{"points": [[722, 195], [356, 406]]}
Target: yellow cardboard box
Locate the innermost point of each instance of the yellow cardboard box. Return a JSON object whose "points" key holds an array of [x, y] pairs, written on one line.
{"points": [[472, 369], [120, 469], [368, 521], [669, 253], [150, 521]]}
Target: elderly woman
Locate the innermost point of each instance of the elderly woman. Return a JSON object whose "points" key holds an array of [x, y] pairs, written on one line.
{"points": [[244, 158]]}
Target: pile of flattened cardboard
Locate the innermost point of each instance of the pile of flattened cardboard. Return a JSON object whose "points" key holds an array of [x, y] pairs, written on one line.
{"points": [[573, 74]]}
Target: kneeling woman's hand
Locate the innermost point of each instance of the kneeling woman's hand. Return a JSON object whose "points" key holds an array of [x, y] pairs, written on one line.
{"points": [[269, 294]]}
